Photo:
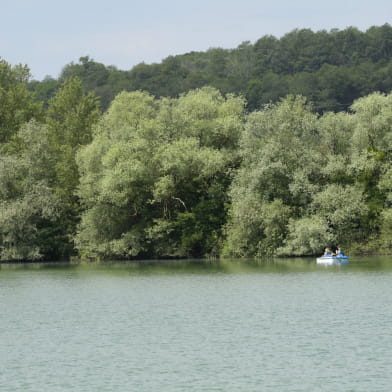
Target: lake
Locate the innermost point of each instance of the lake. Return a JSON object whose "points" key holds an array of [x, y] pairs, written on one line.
{"points": [[278, 325]]}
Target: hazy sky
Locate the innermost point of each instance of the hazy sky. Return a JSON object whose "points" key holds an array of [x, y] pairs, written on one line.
{"points": [[48, 34]]}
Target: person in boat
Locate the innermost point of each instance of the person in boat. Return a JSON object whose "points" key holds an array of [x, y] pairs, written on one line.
{"points": [[339, 252], [328, 253]]}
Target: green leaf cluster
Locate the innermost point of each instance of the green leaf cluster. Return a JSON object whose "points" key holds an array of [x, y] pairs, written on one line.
{"points": [[154, 179], [39, 210], [309, 181]]}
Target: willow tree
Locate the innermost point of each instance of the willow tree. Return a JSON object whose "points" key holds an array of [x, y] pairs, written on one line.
{"points": [[28, 205], [372, 164], [154, 178], [276, 179], [25, 197], [309, 182], [70, 117], [17, 105]]}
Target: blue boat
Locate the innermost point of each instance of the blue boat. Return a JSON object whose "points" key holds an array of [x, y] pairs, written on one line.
{"points": [[330, 260]]}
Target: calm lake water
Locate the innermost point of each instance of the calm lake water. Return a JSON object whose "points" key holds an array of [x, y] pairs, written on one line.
{"points": [[283, 325]]}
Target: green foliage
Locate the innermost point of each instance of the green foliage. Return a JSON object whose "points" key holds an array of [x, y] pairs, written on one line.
{"points": [[307, 235], [386, 232], [331, 68], [330, 175], [16, 103], [71, 116], [343, 208], [189, 174], [154, 179], [374, 122], [43, 90], [27, 203], [277, 168]]}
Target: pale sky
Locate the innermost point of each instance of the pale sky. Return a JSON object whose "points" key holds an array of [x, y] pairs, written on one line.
{"points": [[49, 34]]}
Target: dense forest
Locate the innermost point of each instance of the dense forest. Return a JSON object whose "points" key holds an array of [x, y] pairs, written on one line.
{"points": [[331, 69], [281, 148]]}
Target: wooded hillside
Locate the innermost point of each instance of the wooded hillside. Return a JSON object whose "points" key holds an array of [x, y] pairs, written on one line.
{"points": [[186, 159], [331, 68]]}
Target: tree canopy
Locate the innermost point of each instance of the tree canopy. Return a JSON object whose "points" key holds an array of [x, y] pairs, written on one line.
{"points": [[331, 68], [154, 179], [281, 147]]}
